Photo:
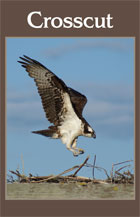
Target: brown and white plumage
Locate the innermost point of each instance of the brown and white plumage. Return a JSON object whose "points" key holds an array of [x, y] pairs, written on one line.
{"points": [[63, 106]]}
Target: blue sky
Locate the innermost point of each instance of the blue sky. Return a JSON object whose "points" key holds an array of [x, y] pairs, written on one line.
{"points": [[100, 68]]}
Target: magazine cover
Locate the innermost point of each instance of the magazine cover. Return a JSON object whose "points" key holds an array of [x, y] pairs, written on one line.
{"points": [[69, 108]]}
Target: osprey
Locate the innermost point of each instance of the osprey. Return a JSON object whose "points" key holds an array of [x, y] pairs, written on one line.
{"points": [[63, 106]]}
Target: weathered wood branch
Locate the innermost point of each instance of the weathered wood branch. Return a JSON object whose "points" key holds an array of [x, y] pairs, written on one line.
{"points": [[54, 177], [15, 173], [81, 166]]}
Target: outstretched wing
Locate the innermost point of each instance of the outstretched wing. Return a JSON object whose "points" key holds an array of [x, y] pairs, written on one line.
{"points": [[78, 100], [50, 87]]}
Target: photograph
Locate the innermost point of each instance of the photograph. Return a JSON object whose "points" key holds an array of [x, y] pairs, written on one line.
{"points": [[70, 118]]}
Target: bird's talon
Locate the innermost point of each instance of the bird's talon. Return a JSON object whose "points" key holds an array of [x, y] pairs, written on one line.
{"points": [[81, 151], [75, 154]]}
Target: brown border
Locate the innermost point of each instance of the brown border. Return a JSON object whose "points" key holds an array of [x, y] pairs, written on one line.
{"points": [[126, 24]]}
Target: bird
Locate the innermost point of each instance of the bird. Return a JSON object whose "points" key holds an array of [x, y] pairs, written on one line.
{"points": [[63, 106]]}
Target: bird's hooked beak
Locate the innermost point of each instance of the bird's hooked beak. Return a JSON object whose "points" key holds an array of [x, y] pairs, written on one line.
{"points": [[94, 135]]}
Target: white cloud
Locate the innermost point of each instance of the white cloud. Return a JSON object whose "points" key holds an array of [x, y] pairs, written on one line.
{"points": [[109, 112], [82, 45], [105, 108]]}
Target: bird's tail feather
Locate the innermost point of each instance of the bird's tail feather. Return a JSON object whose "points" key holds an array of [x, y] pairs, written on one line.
{"points": [[51, 132]]}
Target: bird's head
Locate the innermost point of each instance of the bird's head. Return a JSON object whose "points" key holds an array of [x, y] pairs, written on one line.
{"points": [[88, 131]]}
